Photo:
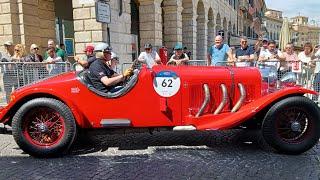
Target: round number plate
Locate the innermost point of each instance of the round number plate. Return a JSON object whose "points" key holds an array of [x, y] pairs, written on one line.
{"points": [[166, 83]]}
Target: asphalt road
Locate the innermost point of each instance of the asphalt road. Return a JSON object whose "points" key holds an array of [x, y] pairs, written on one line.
{"points": [[163, 155]]}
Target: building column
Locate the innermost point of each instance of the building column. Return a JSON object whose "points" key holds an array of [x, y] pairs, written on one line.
{"points": [[37, 22], [172, 23], [202, 37], [87, 30], [189, 32], [150, 22], [9, 22]]}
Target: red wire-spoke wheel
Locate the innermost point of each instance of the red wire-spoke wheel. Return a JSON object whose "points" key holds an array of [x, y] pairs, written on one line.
{"points": [[292, 125], [44, 127]]}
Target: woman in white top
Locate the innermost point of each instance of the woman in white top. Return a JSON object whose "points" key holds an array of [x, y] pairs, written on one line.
{"points": [[149, 57], [306, 57], [316, 82]]}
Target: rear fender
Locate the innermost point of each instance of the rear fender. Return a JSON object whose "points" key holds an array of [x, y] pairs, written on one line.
{"points": [[246, 112]]}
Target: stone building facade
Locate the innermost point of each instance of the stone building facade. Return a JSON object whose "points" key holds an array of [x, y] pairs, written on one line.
{"points": [[194, 23], [273, 23], [303, 32]]}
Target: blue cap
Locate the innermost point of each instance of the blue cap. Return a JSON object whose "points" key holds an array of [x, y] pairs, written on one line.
{"points": [[178, 46]]}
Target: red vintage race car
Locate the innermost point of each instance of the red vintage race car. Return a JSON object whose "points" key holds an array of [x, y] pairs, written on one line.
{"points": [[47, 115]]}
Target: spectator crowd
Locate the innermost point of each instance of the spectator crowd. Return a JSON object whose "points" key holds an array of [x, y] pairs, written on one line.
{"points": [[264, 51]]}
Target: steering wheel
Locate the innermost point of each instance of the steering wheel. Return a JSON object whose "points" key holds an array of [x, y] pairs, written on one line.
{"points": [[136, 66]]}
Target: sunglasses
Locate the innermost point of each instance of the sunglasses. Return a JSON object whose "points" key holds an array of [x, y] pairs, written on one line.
{"points": [[244, 41], [148, 49], [36, 48]]}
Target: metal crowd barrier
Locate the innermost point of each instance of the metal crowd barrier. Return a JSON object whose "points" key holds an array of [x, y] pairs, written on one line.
{"points": [[15, 75]]}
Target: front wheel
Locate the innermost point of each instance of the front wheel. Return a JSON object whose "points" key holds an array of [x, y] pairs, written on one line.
{"points": [[44, 127], [292, 125]]}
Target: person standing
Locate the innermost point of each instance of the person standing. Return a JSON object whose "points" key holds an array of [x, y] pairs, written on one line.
{"points": [[179, 57], [59, 52], [316, 82], [245, 54], [149, 57], [290, 59], [34, 55], [8, 52], [89, 53], [218, 53], [53, 58], [270, 56], [8, 70], [306, 57], [19, 53]]}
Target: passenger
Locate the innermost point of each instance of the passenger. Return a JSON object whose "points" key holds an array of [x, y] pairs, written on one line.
{"points": [[59, 52], [244, 54], [179, 58], [102, 76], [218, 53], [34, 55], [149, 57], [271, 55]]}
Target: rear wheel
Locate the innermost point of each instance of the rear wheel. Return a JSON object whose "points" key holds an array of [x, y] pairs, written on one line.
{"points": [[44, 127], [292, 125]]}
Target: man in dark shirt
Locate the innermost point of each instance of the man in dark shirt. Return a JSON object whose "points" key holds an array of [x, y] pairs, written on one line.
{"points": [[244, 54], [102, 76]]}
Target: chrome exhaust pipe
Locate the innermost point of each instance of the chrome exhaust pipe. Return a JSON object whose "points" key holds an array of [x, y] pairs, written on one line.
{"points": [[241, 99], [224, 99], [205, 101]]}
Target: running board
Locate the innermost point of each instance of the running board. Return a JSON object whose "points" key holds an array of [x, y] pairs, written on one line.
{"points": [[184, 128], [115, 123]]}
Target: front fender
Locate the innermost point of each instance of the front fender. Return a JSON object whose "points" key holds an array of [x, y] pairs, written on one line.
{"points": [[18, 99], [229, 120]]}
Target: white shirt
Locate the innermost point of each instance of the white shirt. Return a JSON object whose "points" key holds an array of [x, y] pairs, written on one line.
{"points": [[302, 57], [149, 58], [317, 69], [267, 54]]}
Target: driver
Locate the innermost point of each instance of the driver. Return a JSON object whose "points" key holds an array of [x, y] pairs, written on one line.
{"points": [[101, 74]]}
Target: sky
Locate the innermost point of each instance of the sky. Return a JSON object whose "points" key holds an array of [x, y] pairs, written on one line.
{"points": [[291, 8]]}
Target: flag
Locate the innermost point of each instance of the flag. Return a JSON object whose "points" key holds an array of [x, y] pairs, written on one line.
{"points": [[256, 25], [251, 10]]}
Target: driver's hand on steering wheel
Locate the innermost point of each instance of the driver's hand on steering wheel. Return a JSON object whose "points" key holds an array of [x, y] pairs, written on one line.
{"points": [[128, 72]]}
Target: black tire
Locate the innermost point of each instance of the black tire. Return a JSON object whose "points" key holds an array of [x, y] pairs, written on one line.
{"points": [[292, 125], [58, 126]]}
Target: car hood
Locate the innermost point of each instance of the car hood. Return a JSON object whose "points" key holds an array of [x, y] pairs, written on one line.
{"points": [[61, 78]]}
